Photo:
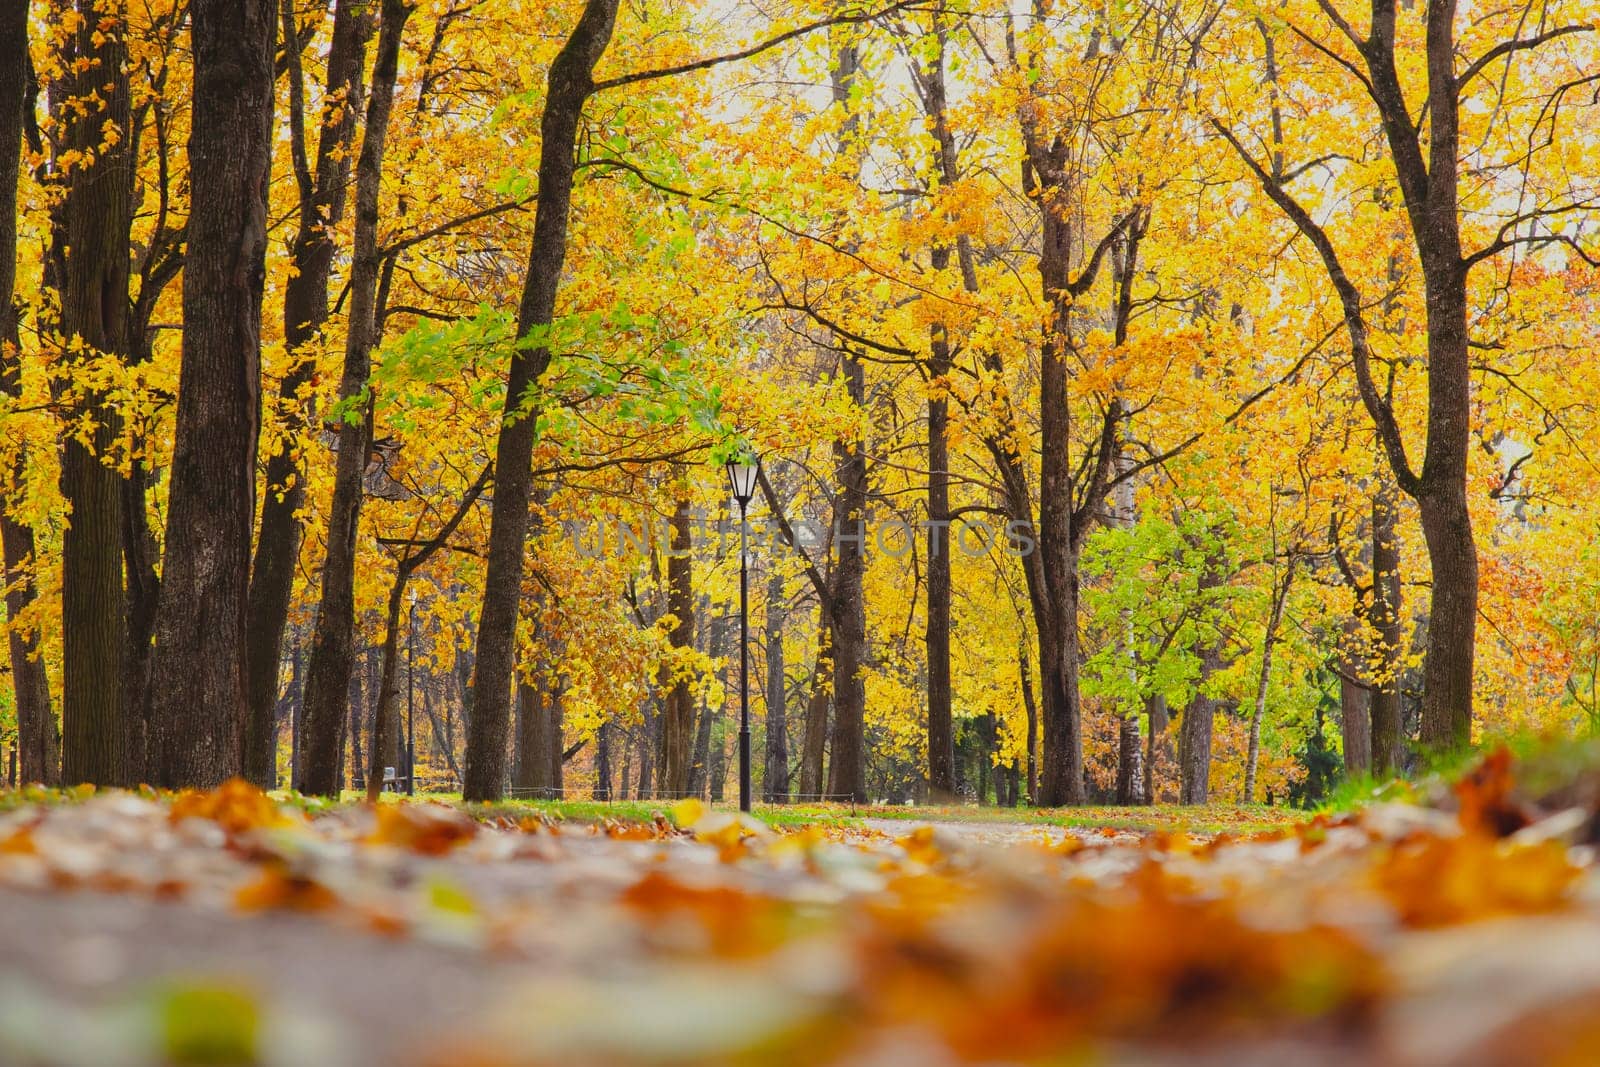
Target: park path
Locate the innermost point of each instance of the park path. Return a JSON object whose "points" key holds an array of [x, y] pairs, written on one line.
{"points": [[425, 939]]}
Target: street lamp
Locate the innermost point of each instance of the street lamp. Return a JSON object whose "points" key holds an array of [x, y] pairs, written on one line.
{"points": [[743, 470]]}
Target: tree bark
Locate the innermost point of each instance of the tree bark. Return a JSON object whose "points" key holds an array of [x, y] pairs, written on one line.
{"points": [[1158, 746], [1025, 674], [847, 771], [322, 197], [332, 646], [92, 220], [1386, 734], [570, 82], [602, 762], [197, 668], [678, 723], [1355, 715], [38, 745], [1427, 173], [1280, 594], [775, 780], [1195, 727], [815, 739], [940, 729]]}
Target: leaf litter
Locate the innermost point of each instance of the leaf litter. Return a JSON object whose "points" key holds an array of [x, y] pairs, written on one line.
{"points": [[1402, 934]]}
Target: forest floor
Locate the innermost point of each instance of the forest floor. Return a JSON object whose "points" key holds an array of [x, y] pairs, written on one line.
{"points": [[231, 928]]}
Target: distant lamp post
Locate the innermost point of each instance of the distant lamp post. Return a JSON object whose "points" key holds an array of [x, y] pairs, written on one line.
{"points": [[411, 698], [743, 471]]}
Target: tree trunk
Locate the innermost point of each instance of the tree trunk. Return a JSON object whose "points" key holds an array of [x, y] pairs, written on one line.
{"points": [[647, 749], [1130, 773], [1158, 747], [1384, 700], [602, 762], [815, 740], [1280, 595], [385, 716], [1194, 738], [305, 312], [678, 723], [847, 772], [1355, 719], [332, 646], [197, 668], [775, 780], [38, 745], [571, 80], [1025, 673], [92, 220]]}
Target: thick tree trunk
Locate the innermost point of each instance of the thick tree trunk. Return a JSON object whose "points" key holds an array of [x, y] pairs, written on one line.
{"points": [[332, 646], [92, 221], [1386, 735], [678, 724], [1355, 716], [847, 770], [775, 780], [571, 80], [1194, 738], [305, 312], [37, 742], [1158, 746], [197, 668]]}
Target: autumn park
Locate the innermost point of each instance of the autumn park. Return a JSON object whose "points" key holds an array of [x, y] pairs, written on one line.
{"points": [[832, 532]]}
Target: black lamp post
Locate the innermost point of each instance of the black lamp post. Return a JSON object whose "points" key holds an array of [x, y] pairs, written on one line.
{"points": [[742, 472]]}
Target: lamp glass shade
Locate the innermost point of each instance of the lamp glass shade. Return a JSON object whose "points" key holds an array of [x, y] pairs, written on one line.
{"points": [[742, 477]]}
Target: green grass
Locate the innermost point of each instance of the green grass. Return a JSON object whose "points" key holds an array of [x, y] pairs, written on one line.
{"points": [[1165, 817]]}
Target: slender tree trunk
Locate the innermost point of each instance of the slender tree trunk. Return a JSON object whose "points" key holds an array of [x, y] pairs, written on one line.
{"points": [[647, 748], [37, 742], [602, 762], [332, 646], [197, 669], [571, 80], [847, 772], [678, 722], [305, 312], [1025, 674], [1384, 701], [385, 717], [776, 778], [699, 768], [1269, 638]]}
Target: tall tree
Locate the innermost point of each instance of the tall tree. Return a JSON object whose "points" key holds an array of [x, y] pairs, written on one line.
{"points": [[320, 205], [197, 671], [678, 709], [333, 644], [568, 87], [1425, 151], [37, 740], [89, 268]]}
